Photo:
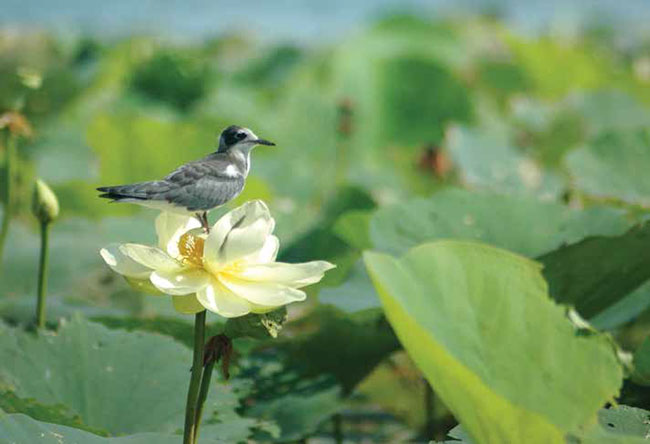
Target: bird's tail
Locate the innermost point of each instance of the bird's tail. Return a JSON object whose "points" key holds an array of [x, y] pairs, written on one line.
{"points": [[132, 192]]}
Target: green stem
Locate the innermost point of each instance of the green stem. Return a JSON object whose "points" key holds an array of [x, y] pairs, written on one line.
{"points": [[195, 380], [42, 275], [203, 395], [10, 159]]}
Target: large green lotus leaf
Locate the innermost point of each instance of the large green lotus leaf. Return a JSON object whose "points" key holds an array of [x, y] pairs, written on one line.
{"points": [[616, 425], [57, 413], [179, 328], [501, 355], [614, 166], [611, 110], [626, 420], [117, 381], [489, 160], [21, 429], [597, 272], [524, 225]]}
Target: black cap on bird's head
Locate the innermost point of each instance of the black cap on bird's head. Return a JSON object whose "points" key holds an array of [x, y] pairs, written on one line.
{"points": [[237, 136]]}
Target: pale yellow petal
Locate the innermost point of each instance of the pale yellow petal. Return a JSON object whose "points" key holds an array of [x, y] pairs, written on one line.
{"points": [[187, 304], [170, 227], [239, 233], [267, 253], [180, 282], [292, 275], [218, 299], [123, 264], [150, 257], [269, 294]]}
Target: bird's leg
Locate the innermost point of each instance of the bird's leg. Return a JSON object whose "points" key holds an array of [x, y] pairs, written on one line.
{"points": [[203, 218]]}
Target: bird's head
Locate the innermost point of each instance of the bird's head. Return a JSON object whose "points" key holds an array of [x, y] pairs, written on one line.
{"points": [[237, 137]]}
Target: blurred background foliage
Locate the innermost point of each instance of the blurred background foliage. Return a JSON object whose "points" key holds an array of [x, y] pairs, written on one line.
{"points": [[409, 130]]}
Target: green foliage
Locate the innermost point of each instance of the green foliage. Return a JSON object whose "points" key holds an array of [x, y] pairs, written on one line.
{"points": [[281, 394], [58, 414], [22, 428], [96, 372], [256, 326], [180, 329], [641, 373], [613, 166], [299, 413], [456, 129], [490, 161], [347, 347], [501, 301], [420, 98], [75, 263], [617, 425], [273, 68], [597, 272], [524, 225], [625, 420], [173, 77], [354, 295]]}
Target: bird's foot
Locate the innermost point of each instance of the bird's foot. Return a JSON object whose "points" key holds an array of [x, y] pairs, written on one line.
{"points": [[203, 218]]}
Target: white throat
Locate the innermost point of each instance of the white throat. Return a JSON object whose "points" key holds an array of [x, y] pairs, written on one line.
{"points": [[243, 155]]}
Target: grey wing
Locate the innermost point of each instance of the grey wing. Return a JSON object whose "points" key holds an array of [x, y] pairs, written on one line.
{"points": [[201, 186]]}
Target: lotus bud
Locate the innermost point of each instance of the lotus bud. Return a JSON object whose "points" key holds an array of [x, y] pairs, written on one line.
{"points": [[45, 205]]}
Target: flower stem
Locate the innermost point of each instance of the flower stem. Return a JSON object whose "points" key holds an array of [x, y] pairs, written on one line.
{"points": [[10, 159], [203, 395], [42, 275], [197, 368]]}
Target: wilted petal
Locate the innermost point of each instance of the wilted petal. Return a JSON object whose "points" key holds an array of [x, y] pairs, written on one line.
{"points": [[218, 299], [292, 275], [180, 282], [269, 294], [151, 257], [187, 304], [123, 264], [267, 253], [170, 227], [241, 232]]}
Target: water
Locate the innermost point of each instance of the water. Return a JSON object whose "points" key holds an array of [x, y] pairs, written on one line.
{"points": [[309, 21]]}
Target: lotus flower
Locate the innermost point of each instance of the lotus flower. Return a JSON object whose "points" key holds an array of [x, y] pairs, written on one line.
{"points": [[231, 271]]}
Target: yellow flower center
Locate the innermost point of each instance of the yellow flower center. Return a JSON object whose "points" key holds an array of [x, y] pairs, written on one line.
{"points": [[190, 246], [233, 268]]}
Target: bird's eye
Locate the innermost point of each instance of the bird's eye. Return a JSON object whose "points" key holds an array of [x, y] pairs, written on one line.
{"points": [[240, 136]]}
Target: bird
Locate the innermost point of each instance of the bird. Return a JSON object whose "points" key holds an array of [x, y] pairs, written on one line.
{"points": [[197, 187]]}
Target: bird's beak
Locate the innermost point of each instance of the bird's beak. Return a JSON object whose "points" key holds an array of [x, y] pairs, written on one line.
{"points": [[264, 142]]}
